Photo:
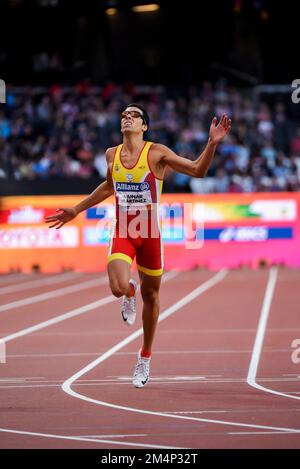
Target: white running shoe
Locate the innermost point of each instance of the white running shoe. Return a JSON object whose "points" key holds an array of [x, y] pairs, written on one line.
{"points": [[141, 371], [128, 308]]}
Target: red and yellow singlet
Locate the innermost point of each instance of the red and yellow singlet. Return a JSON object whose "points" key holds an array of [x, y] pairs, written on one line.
{"points": [[136, 229]]}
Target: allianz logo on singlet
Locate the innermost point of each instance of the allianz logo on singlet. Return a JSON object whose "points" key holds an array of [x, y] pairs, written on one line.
{"points": [[132, 186]]}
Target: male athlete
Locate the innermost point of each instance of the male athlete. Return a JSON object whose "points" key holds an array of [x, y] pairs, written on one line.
{"points": [[135, 172]]}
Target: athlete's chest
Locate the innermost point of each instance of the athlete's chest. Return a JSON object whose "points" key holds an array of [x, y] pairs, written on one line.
{"points": [[131, 167], [133, 181], [129, 160]]}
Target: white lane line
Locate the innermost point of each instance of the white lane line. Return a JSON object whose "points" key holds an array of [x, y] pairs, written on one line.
{"points": [[67, 385], [22, 379], [84, 439], [227, 331], [181, 332], [92, 354], [197, 412], [111, 383], [7, 278], [106, 333], [293, 392], [115, 436], [2, 351], [62, 317], [168, 276], [166, 313], [9, 380], [261, 433], [40, 282], [260, 335], [54, 294], [72, 313]]}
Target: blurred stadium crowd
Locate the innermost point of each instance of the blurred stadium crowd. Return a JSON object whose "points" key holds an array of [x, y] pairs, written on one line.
{"points": [[63, 133]]}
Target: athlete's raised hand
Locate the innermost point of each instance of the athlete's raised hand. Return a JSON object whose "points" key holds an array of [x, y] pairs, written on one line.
{"points": [[59, 219], [218, 131]]}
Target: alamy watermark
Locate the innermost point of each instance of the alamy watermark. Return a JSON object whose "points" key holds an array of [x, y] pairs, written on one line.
{"points": [[295, 357], [2, 92], [296, 92], [181, 222]]}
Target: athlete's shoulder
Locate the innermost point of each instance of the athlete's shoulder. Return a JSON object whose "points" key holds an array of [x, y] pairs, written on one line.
{"points": [[158, 148], [160, 151], [110, 153]]}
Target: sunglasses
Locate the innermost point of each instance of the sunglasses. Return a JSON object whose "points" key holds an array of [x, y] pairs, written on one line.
{"points": [[134, 114]]}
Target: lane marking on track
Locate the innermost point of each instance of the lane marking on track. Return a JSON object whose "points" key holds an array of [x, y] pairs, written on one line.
{"points": [[295, 375], [116, 436], [40, 282], [261, 433], [55, 383], [168, 276], [168, 332], [239, 411], [71, 314], [22, 379], [63, 317], [85, 439], [163, 378], [197, 412], [96, 354], [4, 279], [31, 382], [227, 331], [292, 392], [67, 385], [260, 335], [54, 294]]}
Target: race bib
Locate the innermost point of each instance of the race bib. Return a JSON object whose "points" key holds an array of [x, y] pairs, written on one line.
{"points": [[133, 194]]}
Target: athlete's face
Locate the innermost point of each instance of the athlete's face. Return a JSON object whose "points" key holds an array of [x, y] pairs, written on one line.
{"points": [[132, 120]]}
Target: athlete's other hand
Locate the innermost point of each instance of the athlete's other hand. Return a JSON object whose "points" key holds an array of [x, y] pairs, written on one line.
{"points": [[59, 219], [218, 131]]}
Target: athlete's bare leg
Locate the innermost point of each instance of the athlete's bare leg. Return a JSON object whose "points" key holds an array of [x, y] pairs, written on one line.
{"points": [[119, 276], [150, 293]]}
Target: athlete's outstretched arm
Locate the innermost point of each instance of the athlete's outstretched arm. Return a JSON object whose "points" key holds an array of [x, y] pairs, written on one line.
{"points": [[199, 167], [66, 214]]}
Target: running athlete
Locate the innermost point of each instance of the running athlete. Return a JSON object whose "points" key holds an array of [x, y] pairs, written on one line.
{"points": [[135, 172]]}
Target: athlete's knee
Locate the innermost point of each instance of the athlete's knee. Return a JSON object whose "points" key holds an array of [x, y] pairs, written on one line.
{"points": [[150, 295], [118, 288]]}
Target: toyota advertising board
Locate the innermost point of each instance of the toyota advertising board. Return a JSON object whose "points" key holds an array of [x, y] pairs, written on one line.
{"points": [[235, 229]]}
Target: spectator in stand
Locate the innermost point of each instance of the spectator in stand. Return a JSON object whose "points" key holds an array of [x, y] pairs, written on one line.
{"points": [[62, 132]]}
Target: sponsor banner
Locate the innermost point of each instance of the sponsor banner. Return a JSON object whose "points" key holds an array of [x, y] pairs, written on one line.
{"points": [[132, 186], [26, 215], [106, 212], [247, 233], [97, 236], [239, 229], [173, 234], [94, 236], [258, 210], [33, 237]]}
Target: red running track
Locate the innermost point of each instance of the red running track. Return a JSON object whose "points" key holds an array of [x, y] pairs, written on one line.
{"points": [[222, 374]]}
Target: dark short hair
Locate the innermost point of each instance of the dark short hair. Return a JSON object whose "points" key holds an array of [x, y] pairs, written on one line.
{"points": [[145, 115]]}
